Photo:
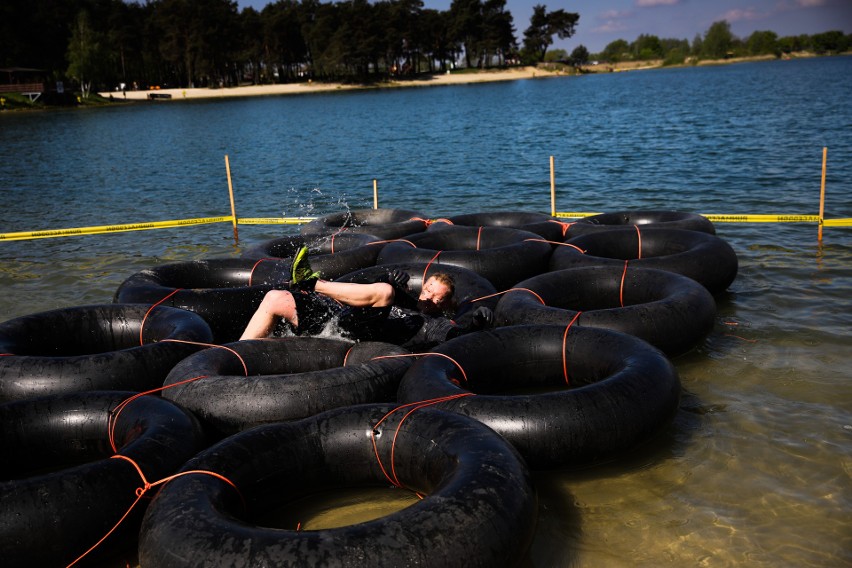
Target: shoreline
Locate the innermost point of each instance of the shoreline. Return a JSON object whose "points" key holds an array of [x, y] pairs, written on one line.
{"points": [[321, 87], [546, 70]]}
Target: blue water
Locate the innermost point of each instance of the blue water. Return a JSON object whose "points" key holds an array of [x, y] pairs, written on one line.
{"points": [[756, 470]]}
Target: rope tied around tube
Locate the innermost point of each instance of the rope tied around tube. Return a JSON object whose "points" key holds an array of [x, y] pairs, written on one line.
{"points": [[215, 346], [539, 298], [146, 485], [562, 224], [428, 354], [113, 414], [575, 247], [430, 222], [639, 238], [393, 478], [256, 264], [564, 343], [428, 264], [145, 318], [391, 241]]}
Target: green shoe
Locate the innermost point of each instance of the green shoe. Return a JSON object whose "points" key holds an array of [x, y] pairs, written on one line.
{"points": [[301, 276]]}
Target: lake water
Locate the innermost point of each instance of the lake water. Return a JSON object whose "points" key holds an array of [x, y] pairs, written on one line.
{"points": [[755, 469]]}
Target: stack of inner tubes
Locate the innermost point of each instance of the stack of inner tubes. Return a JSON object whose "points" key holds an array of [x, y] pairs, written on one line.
{"points": [[572, 370]]}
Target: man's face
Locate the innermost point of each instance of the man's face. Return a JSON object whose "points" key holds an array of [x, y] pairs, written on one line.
{"points": [[434, 296]]}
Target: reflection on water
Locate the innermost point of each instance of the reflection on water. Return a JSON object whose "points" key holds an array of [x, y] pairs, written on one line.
{"points": [[339, 508]]}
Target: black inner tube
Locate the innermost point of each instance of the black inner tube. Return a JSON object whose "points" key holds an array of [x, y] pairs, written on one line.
{"points": [[470, 476], [622, 390], [670, 311]]}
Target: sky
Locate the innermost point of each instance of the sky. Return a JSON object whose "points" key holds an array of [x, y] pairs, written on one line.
{"points": [[604, 21]]}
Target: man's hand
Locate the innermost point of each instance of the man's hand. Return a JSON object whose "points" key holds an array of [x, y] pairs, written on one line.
{"points": [[482, 317], [398, 278]]}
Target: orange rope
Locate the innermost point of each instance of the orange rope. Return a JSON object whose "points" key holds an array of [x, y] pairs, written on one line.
{"points": [[332, 243], [256, 264], [621, 288], [428, 264], [238, 356], [478, 237], [391, 241], [142, 327], [509, 290], [565, 226], [417, 405], [346, 357], [117, 410], [564, 354], [430, 222], [113, 414], [456, 363], [140, 492], [739, 337], [639, 236], [556, 243]]}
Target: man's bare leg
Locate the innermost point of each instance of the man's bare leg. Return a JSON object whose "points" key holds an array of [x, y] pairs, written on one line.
{"points": [[276, 304]]}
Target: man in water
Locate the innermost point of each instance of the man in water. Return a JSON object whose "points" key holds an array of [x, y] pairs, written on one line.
{"points": [[379, 311]]}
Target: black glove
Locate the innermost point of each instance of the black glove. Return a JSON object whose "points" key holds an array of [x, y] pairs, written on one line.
{"points": [[482, 317], [398, 278]]}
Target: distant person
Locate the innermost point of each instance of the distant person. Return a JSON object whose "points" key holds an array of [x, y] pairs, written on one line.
{"points": [[379, 311]]}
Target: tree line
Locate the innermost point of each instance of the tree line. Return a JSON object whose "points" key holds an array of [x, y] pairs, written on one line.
{"points": [[209, 43], [719, 43], [100, 44]]}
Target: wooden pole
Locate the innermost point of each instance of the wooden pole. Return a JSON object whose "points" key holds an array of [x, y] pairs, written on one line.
{"points": [[822, 193], [552, 189], [375, 194], [231, 195]]}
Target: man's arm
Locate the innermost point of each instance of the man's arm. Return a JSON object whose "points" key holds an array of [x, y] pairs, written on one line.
{"points": [[376, 295]]}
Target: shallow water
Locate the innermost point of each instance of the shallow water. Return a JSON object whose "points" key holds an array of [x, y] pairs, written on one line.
{"points": [[755, 469]]}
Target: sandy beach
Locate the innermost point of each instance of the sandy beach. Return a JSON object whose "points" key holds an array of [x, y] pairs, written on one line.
{"points": [[513, 74], [317, 87]]}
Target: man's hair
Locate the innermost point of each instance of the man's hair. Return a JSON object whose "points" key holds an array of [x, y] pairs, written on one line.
{"points": [[450, 283], [444, 279]]}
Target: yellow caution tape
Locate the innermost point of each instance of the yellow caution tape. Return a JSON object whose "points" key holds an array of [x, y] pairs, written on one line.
{"points": [[101, 229], [763, 218], [573, 214], [274, 220], [745, 218], [77, 231], [845, 222]]}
